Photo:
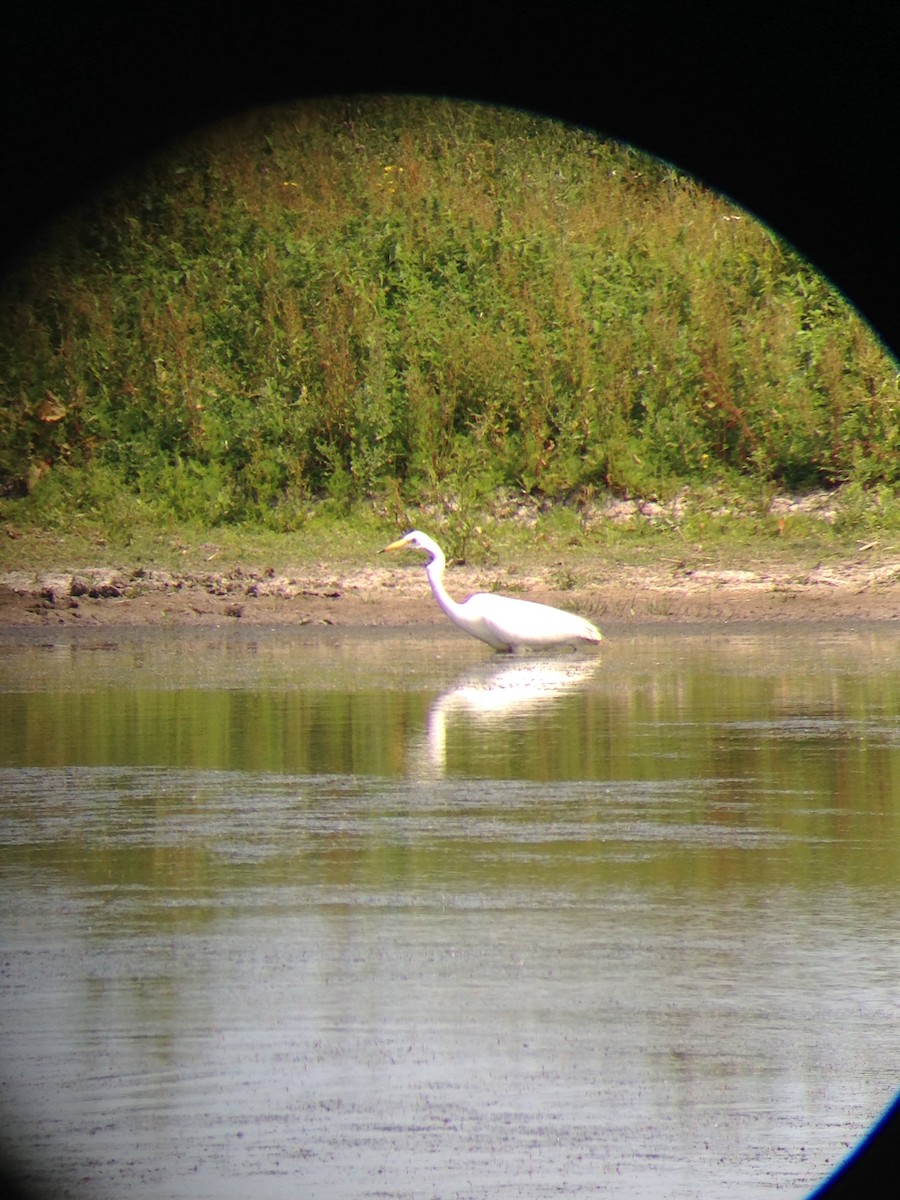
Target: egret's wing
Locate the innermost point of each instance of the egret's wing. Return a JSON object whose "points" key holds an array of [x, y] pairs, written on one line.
{"points": [[525, 623]]}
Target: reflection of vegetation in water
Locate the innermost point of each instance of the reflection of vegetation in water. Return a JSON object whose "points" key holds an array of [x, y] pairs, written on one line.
{"points": [[708, 763], [208, 730]]}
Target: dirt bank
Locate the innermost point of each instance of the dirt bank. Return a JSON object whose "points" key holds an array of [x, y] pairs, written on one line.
{"points": [[399, 595]]}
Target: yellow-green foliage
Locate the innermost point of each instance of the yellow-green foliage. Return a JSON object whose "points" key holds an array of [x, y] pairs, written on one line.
{"points": [[353, 295]]}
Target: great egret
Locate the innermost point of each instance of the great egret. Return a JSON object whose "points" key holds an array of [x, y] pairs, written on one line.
{"points": [[502, 622]]}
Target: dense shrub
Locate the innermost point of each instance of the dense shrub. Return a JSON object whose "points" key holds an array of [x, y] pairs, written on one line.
{"points": [[354, 295]]}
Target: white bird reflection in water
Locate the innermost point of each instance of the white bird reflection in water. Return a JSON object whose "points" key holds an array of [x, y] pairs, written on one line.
{"points": [[493, 697]]}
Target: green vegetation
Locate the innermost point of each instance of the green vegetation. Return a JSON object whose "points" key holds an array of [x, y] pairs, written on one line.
{"points": [[418, 304]]}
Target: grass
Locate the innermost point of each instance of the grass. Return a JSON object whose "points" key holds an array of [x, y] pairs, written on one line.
{"points": [[708, 528], [301, 331], [415, 305]]}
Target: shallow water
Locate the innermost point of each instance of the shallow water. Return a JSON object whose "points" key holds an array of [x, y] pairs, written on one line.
{"points": [[383, 914]]}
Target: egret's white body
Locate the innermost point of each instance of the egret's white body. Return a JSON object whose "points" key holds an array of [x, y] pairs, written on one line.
{"points": [[501, 621]]}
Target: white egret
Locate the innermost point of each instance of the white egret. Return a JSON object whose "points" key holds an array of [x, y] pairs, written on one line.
{"points": [[502, 622]]}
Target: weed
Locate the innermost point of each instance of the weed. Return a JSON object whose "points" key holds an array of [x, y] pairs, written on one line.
{"points": [[428, 302]]}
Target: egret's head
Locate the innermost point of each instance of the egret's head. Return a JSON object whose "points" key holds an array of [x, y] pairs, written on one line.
{"points": [[414, 540]]}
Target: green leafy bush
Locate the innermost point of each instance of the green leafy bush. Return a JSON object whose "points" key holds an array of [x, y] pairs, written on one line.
{"points": [[418, 297]]}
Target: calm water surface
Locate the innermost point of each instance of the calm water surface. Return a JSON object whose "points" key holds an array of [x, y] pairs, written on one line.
{"points": [[380, 914]]}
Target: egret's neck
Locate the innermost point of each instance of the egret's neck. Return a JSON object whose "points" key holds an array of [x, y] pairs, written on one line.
{"points": [[435, 573]]}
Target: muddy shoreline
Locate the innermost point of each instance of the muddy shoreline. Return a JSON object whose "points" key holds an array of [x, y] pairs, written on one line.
{"points": [[399, 596]]}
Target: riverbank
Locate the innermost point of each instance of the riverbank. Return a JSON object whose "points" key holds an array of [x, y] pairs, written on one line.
{"points": [[861, 587]]}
